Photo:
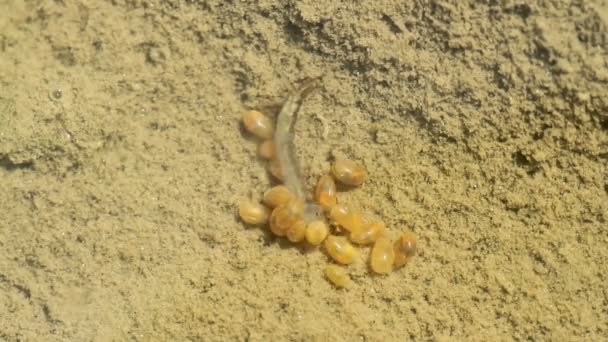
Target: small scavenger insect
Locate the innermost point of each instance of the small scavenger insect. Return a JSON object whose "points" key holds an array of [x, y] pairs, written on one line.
{"points": [[340, 249], [253, 213], [349, 172], [382, 256], [325, 192], [316, 232], [258, 124], [276, 196], [368, 233], [337, 275], [347, 217]]}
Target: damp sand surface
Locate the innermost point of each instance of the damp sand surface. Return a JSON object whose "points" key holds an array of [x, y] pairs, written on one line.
{"points": [[483, 126]]}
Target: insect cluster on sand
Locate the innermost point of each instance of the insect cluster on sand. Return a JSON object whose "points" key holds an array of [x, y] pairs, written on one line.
{"points": [[317, 218]]}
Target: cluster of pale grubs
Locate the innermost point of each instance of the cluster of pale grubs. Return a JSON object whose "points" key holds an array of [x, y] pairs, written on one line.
{"points": [[291, 212]]}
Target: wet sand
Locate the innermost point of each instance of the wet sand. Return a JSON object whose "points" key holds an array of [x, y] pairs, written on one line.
{"points": [[484, 129]]}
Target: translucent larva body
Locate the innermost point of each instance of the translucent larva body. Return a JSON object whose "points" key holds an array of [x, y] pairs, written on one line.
{"points": [[275, 170], [266, 149], [340, 249], [284, 216], [405, 248], [346, 217], [337, 275], [253, 213], [276, 196], [316, 232], [258, 124], [349, 172], [368, 233], [325, 192], [382, 256]]}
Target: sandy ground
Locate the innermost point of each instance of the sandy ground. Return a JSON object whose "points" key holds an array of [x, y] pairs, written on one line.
{"points": [[483, 125]]}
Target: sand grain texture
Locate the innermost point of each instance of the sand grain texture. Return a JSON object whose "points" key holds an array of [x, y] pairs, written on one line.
{"points": [[483, 126]]}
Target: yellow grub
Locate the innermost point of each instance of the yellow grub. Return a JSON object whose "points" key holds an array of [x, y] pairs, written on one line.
{"points": [[337, 275], [382, 256], [258, 124], [316, 232], [284, 216], [340, 249], [253, 213], [296, 232], [346, 217], [325, 192], [276, 229], [405, 248], [276, 196], [349, 172], [266, 150], [368, 234]]}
